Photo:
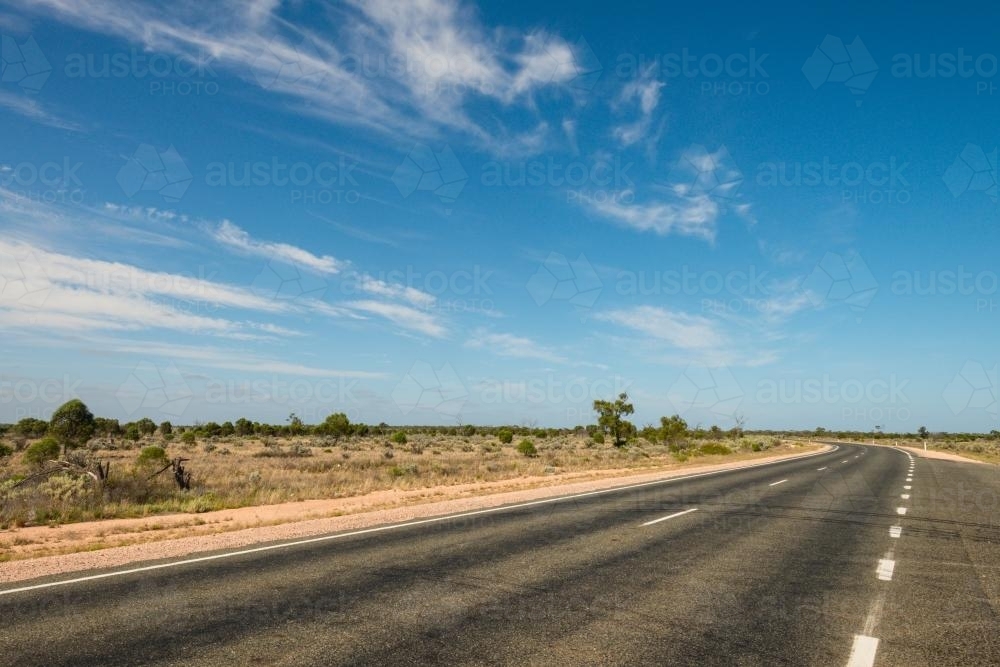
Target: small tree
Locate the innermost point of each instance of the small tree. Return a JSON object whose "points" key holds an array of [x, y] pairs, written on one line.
{"points": [[166, 428], [30, 427], [336, 425], [505, 436], [672, 429], [146, 426], [922, 432], [72, 424], [243, 426], [609, 418], [399, 438], [42, 451]]}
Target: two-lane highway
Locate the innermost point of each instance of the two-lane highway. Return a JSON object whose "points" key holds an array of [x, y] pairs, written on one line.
{"points": [[819, 560]]}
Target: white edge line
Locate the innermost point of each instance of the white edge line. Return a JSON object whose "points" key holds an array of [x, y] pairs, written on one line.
{"points": [[379, 529], [671, 516], [863, 651], [777, 483]]}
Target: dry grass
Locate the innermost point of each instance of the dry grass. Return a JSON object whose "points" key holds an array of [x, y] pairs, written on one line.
{"points": [[239, 472]]}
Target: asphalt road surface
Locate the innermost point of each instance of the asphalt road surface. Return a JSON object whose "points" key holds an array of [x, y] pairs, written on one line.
{"points": [[859, 556]]}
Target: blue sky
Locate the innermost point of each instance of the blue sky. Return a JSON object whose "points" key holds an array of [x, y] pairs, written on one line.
{"points": [[439, 212]]}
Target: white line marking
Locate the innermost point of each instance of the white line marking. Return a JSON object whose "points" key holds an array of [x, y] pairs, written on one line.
{"points": [[863, 651], [895, 531], [823, 468], [777, 483], [885, 568], [907, 487], [905, 496], [844, 461], [909, 479], [675, 514], [901, 510], [379, 529]]}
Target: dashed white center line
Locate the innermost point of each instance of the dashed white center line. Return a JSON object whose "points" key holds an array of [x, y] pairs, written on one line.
{"points": [[901, 510], [844, 461], [863, 651], [895, 531], [905, 496], [823, 468], [907, 487], [885, 568], [671, 516], [909, 479], [777, 483]]}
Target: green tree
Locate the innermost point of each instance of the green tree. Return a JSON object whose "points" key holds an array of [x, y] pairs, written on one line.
{"points": [[132, 432], [42, 451], [399, 437], [166, 428], [227, 429], [295, 425], [107, 428], [30, 427], [922, 432], [673, 428], [146, 426], [505, 436], [336, 425], [609, 418], [243, 426], [72, 424]]}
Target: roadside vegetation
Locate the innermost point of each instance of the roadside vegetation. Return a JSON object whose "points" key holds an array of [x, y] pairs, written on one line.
{"points": [[79, 467]]}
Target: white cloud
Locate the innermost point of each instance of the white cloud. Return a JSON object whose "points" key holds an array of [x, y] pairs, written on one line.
{"points": [[449, 59], [233, 236], [641, 97], [688, 215], [32, 109], [406, 317], [510, 345], [680, 330]]}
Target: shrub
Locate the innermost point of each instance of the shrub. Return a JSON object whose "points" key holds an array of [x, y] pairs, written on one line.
{"points": [[5, 450], [505, 435], [399, 438], [714, 448], [153, 456], [527, 447], [42, 451], [598, 438], [189, 437], [132, 432]]}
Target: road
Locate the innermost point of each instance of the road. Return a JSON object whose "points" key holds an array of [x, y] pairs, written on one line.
{"points": [[804, 562]]}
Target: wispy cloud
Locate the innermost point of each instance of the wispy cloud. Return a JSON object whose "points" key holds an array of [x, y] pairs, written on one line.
{"points": [[510, 345], [410, 319], [678, 338], [450, 59], [32, 109], [639, 98], [233, 236], [684, 214]]}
